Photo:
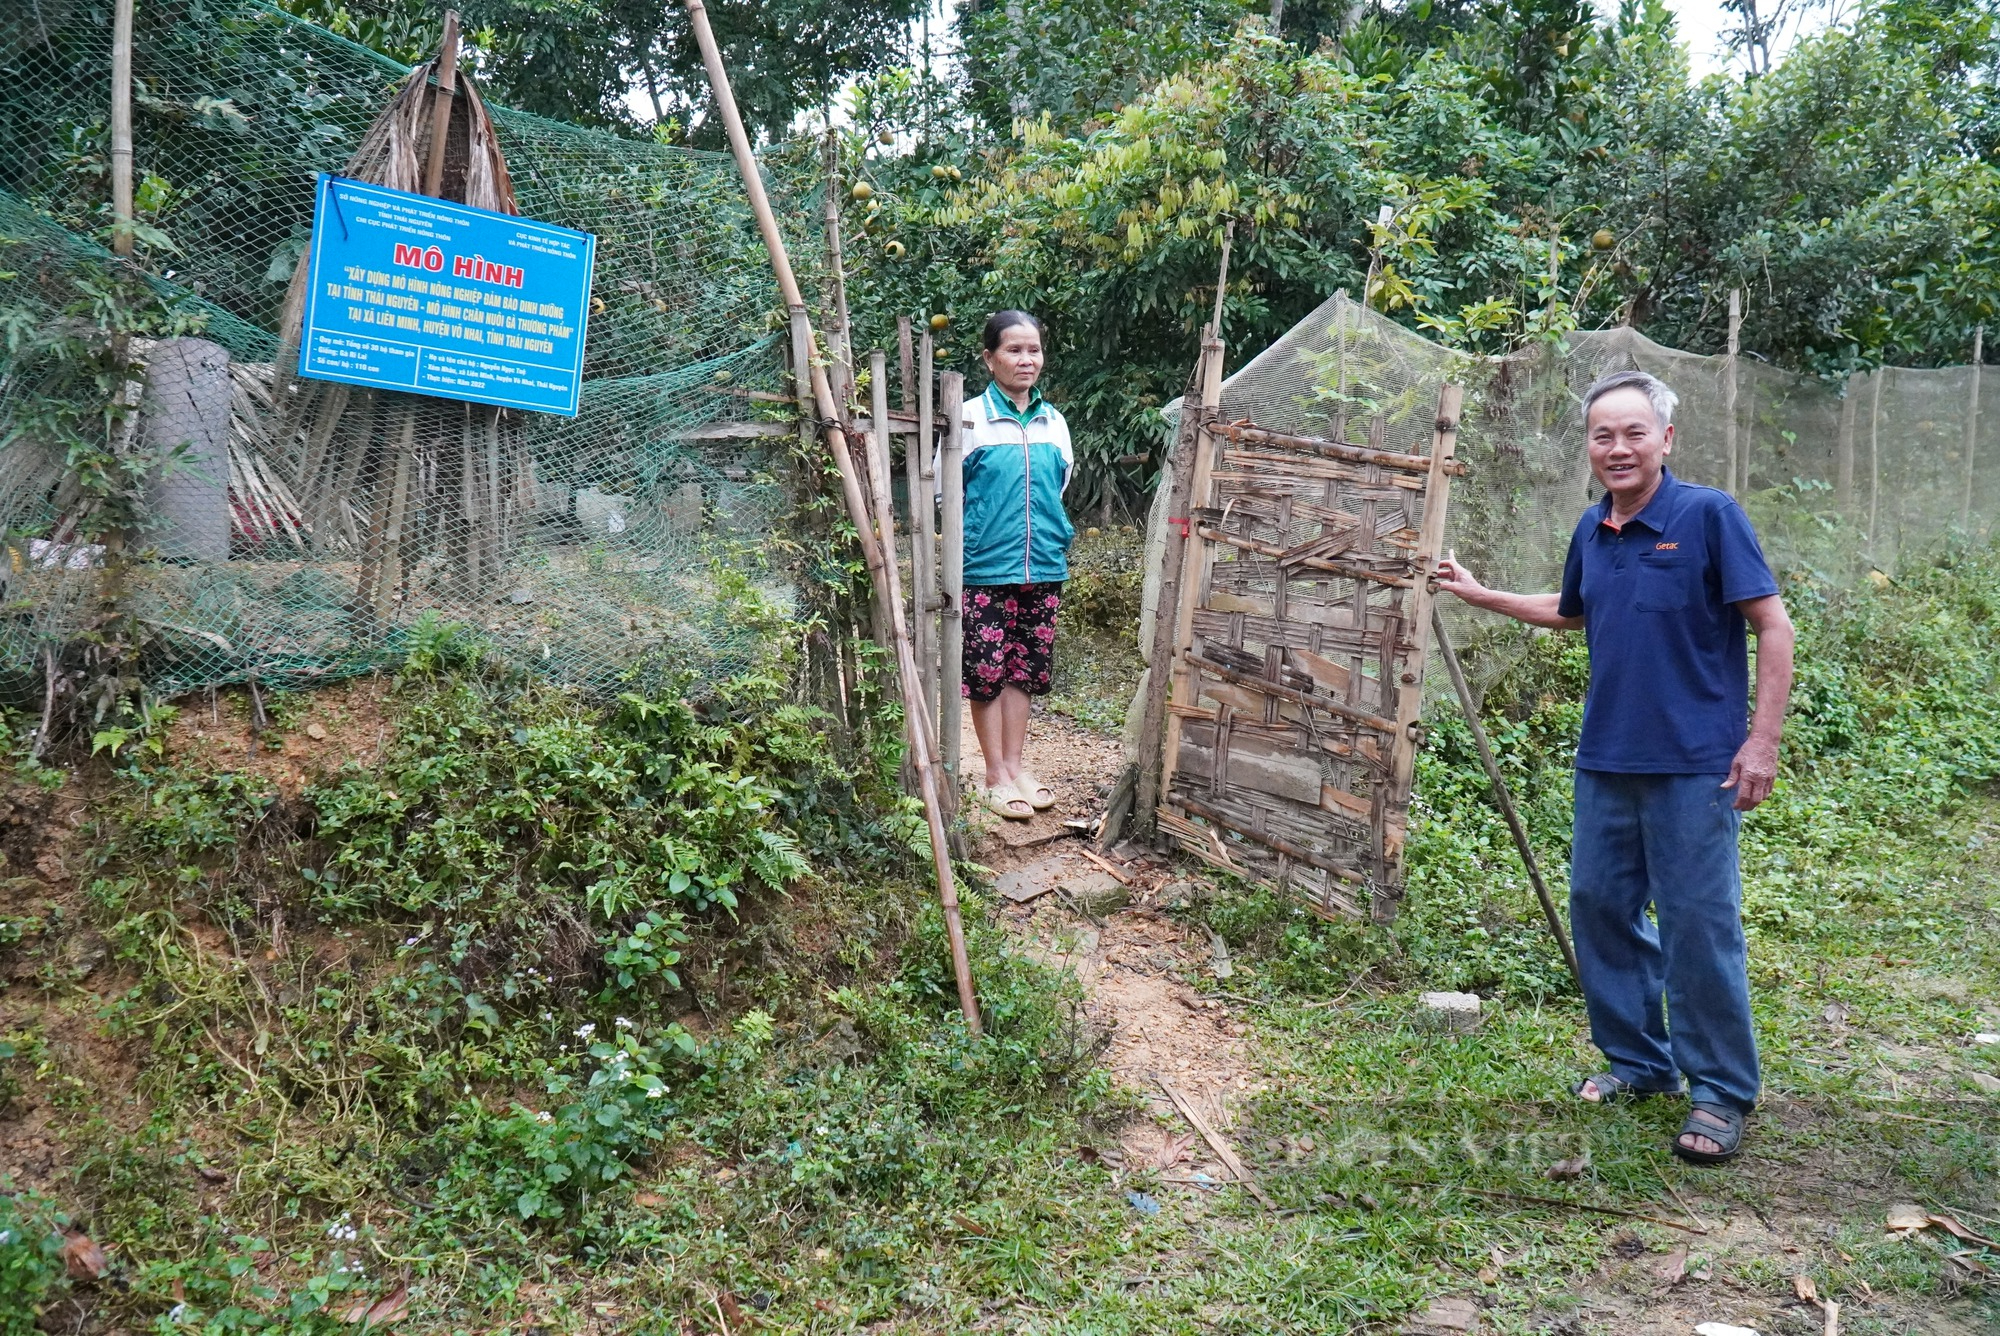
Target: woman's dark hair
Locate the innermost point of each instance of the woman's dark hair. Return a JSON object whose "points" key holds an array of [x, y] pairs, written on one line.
{"points": [[1001, 321]]}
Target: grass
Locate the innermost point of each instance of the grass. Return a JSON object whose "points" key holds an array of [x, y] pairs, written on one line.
{"points": [[448, 1075]]}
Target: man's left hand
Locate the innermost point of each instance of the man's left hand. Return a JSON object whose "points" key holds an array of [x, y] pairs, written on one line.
{"points": [[1753, 772]]}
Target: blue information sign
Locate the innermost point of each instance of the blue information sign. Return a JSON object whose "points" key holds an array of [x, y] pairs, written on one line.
{"points": [[406, 292]]}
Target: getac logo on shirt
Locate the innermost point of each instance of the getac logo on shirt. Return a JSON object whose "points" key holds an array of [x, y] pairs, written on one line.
{"points": [[1666, 547]]}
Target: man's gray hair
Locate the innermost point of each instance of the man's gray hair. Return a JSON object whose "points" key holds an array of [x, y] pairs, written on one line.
{"points": [[1658, 393]]}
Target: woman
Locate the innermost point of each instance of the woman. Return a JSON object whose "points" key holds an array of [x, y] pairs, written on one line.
{"points": [[1017, 464]]}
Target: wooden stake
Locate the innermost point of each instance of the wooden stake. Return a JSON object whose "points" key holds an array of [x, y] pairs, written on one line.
{"points": [[1181, 689], [1971, 429], [915, 724], [1409, 692], [1729, 386], [1501, 796], [1874, 454], [1152, 715], [447, 77], [951, 561], [1843, 459], [121, 127]]}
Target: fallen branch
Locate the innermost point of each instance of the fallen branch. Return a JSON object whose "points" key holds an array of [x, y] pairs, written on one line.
{"points": [[1124, 878], [1223, 1151], [1572, 1205]]}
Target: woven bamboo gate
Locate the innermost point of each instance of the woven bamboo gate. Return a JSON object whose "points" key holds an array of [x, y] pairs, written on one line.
{"points": [[1297, 674]]}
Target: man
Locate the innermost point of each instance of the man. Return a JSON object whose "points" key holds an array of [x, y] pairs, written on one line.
{"points": [[1663, 577]]}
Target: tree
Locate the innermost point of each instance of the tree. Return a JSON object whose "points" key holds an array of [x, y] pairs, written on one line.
{"points": [[578, 60]]}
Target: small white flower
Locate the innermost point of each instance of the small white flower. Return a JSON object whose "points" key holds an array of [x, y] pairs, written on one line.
{"points": [[656, 1092], [623, 1024], [545, 1117], [177, 1312], [6, 1237], [586, 1030]]}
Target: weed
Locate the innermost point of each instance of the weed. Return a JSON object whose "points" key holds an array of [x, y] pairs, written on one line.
{"points": [[31, 1266]]}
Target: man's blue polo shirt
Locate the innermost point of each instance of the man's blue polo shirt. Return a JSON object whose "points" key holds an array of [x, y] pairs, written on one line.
{"points": [[1669, 658]]}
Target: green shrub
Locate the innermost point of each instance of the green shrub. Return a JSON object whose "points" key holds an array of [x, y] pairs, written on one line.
{"points": [[31, 1265]]}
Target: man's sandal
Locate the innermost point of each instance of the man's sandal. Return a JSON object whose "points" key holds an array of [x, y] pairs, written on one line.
{"points": [[1038, 795], [1726, 1132], [1003, 800], [1612, 1090]]}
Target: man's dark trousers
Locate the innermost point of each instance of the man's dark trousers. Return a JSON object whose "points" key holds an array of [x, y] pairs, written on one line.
{"points": [[1668, 841]]}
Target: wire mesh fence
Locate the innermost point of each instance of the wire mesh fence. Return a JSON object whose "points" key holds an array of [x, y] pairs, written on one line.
{"points": [[296, 531]]}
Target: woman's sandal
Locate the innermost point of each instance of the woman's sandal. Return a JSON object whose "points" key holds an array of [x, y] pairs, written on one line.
{"points": [[1612, 1090], [1726, 1132], [1036, 794], [1002, 800]]}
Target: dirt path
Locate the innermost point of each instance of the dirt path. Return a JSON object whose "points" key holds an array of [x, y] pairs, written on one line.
{"points": [[1139, 967]]}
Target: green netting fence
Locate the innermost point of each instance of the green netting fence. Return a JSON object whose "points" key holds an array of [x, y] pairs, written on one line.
{"points": [[287, 545]]}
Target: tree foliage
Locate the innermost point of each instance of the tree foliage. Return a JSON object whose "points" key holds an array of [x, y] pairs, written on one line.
{"points": [[583, 60], [1489, 174]]}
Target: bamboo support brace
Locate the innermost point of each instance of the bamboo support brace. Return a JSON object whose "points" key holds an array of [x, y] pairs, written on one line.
{"points": [[915, 725]]}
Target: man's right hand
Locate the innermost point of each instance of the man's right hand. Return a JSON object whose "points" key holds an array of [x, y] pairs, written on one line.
{"points": [[1454, 579], [1534, 609]]}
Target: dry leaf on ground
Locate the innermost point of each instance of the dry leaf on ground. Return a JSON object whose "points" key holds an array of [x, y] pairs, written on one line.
{"points": [[1174, 1151], [1450, 1315], [1970, 1261], [1803, 1287], [1905, 1219], [652, 1201], [1962, 1234], [1562, 1171], [81, 1256], [1674, 1269], [391, 1307]]}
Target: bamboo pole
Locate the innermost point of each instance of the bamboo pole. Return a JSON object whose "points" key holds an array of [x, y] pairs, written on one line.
{"points": [[1501, 796], [1971, 429], [121, 127], [843, 333], [883, 510], [906, 365], [1729, 386], [915, 725], [447, 77], [802, 376], [923, 531], [951, 627], [923, 518]]}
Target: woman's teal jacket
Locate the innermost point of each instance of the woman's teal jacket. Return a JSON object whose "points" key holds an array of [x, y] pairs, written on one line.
{"points": [[1017, 465]]}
